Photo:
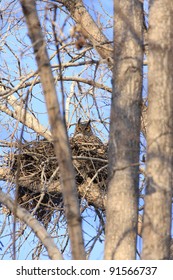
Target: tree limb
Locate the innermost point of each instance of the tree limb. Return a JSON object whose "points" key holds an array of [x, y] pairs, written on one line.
{"points": [[37, 228], [89, 29]]}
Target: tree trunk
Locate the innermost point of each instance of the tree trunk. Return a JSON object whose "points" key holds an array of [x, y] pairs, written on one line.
{"points": [[124, 142], [58, 128], [157, 215]]}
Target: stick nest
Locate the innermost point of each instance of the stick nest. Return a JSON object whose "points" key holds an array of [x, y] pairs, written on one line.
{"points": [[35, 170]]}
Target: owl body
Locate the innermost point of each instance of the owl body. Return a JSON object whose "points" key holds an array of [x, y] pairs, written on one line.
{"points": [[86, 149]]}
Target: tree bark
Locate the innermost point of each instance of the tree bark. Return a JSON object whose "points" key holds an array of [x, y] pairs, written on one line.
{"points": [[122, 204], [58, 129], [157, 214]]}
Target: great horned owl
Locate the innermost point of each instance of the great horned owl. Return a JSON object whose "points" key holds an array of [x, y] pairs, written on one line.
{"points": [[83, 132], [86, 149], [83, 129]]}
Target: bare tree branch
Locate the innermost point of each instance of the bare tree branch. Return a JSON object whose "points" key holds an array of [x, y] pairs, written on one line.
{"points": [[19, 113], [37, 228], [89, 29]]}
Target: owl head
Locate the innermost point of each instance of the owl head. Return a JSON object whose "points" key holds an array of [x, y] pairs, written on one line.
{"points": [[83, 129]]}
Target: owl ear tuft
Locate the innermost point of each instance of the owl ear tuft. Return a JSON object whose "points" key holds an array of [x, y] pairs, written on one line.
{"points": [[88, 123], [79, 120]]}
